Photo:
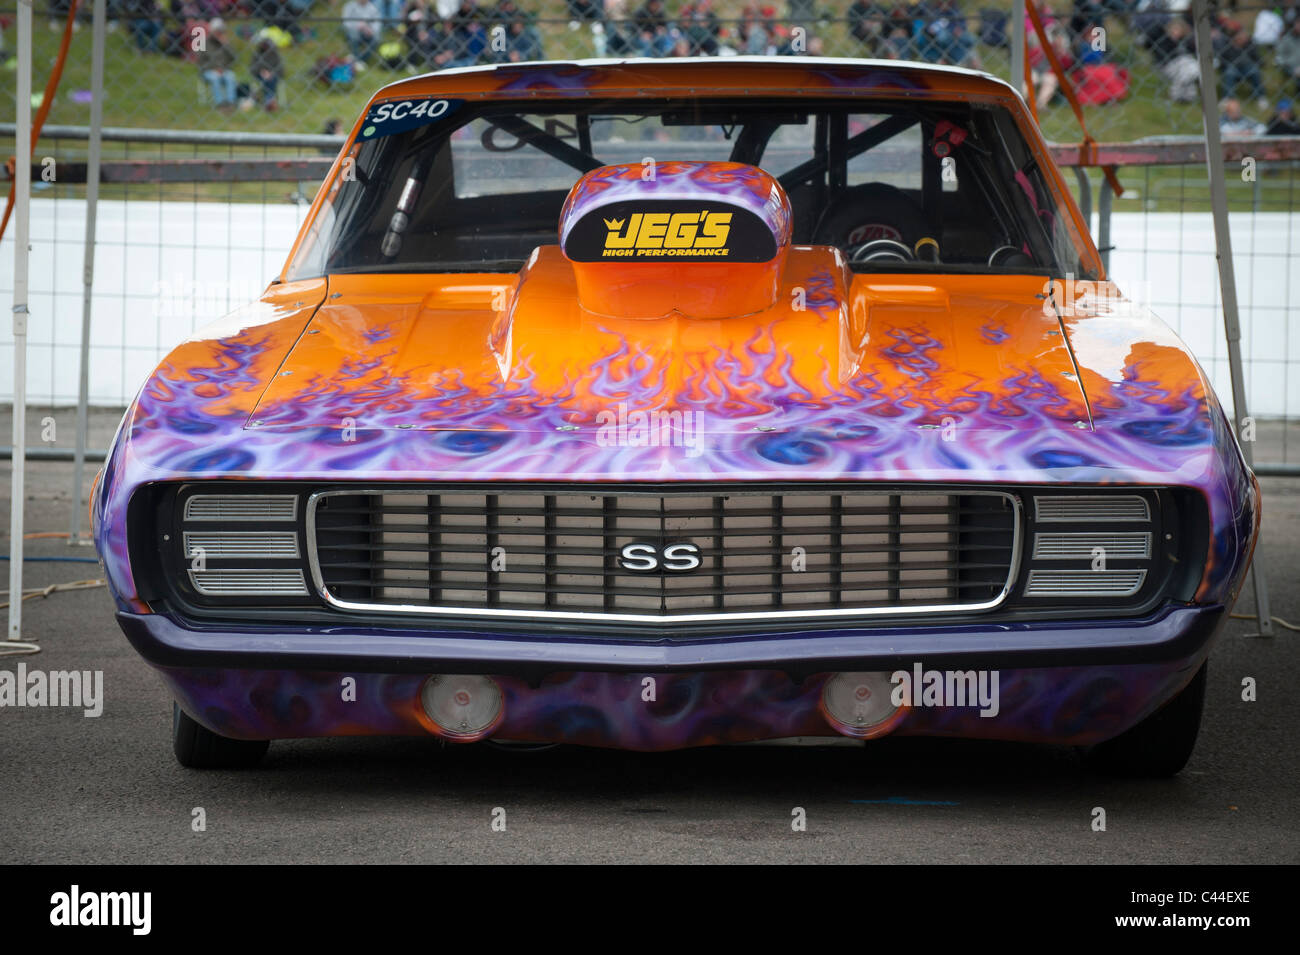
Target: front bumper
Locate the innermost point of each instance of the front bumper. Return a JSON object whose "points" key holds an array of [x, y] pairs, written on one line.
{"points": [[1173, 633], [1078, 683]]}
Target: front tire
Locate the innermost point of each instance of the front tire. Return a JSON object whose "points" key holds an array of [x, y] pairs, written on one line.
{"points": [[1161, 744], [197, 747]]}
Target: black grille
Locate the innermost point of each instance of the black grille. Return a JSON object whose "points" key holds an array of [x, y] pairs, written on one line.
{"points": [[543, 551]]}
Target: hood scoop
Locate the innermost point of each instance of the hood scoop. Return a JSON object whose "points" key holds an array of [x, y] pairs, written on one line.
{"points": [[704, 239]]}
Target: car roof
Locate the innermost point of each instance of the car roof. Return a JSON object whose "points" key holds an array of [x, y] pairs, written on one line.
{"points": [[812, 75]]}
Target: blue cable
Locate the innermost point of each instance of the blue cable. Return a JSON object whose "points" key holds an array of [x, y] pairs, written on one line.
{"points": [[57, 560]]}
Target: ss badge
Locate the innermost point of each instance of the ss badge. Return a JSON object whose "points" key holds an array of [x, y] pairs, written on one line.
{"points": [[647, 557]]}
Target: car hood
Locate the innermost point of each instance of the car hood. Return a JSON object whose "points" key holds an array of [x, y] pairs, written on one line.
{"points": [[493, 377], [837, 352]]}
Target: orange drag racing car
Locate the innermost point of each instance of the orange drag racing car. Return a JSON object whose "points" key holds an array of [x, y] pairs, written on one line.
{"points": [[654, 404]]}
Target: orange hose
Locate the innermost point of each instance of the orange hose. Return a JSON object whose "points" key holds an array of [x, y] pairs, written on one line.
{"points": [[1087, 148], [51, 88], [1030, 94]]}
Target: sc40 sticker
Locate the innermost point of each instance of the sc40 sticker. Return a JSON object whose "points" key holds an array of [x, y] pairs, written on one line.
{"points": [[397, 116]]}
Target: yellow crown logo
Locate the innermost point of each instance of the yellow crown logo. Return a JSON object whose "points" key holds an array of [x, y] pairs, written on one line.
{"points": [[614, 225]]}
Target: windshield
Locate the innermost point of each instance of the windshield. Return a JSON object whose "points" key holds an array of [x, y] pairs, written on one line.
{"points": [[445, 185]]}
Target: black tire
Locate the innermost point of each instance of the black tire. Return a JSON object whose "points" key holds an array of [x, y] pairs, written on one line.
{"points": [[197, 747], [1162, 743]]}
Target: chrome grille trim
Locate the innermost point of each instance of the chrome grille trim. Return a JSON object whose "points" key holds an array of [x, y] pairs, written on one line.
{"points": [[1084, 583], [1084, 508], [217, 582], [260, 544], [1071, 545], [553, 529], [241, 507]]}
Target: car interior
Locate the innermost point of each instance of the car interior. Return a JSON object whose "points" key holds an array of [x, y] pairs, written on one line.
{"points": [[908, 186]]}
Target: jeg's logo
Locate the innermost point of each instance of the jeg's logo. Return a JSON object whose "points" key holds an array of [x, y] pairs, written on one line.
{"points": [[671, 233]]}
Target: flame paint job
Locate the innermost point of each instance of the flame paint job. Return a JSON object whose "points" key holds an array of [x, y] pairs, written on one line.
{"points": [[491, 377]]}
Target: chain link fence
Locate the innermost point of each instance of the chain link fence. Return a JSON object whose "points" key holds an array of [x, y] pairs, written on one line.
{"points": [[307, 66]]}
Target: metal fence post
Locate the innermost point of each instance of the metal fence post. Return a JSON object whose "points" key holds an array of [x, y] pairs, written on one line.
{"points": [[22, 241], [1105, 202], [1223, 251], [1085, 194], [88, 259]]}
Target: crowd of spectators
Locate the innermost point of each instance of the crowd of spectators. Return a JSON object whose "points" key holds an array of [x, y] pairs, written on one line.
{"points": [[196, 31], [246, 70], [244, 66], [1242, 52]]}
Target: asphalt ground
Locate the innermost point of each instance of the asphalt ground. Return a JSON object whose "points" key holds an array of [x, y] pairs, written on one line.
{"points": [[107, 790]]}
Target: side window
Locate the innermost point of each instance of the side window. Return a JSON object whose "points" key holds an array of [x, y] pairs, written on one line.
{"points": [[1028, 185]]}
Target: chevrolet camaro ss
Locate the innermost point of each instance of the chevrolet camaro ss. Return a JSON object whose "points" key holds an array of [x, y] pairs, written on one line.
{"points": [[655, 404]]}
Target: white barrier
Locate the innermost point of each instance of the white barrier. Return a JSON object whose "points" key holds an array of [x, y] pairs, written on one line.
{"points": [[1166, 260], [162, 269]]}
